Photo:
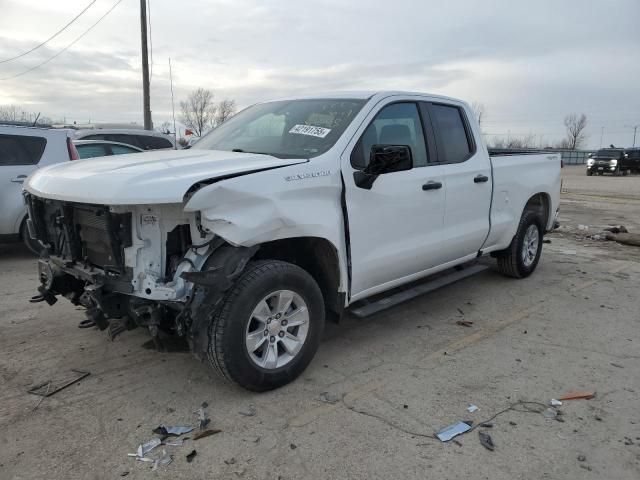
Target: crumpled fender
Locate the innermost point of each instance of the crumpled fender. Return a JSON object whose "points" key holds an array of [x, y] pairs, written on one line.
{"points": [[295, 201]]}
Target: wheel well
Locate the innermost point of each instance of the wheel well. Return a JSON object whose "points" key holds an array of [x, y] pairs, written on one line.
{"points": [[540, 203], [315, 255]]}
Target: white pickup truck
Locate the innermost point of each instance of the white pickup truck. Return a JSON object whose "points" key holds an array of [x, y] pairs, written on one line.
{"points": [[289, 213]]}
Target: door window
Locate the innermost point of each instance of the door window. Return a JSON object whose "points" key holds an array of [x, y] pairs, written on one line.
{"points": [[395, 124], [120, 149], [452, 138], [21, 150], [149, 142], [91, 150]]}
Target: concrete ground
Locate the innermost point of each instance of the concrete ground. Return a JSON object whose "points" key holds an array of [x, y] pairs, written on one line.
{"points": [[397, 377]]}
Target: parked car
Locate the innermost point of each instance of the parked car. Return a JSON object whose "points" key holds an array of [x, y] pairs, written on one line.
{"points": [[103, 148], [143, 139], [22, 151], [290, 212], [617, 161]]}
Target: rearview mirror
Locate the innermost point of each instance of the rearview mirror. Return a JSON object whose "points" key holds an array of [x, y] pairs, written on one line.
{"points": [[383, 159]]}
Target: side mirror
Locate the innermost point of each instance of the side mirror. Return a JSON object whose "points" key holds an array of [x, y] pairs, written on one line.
{"points": [[383, 159]]}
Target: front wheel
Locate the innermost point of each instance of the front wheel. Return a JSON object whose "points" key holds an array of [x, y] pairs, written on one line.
{"points": [[520, 259], [269, 326]]}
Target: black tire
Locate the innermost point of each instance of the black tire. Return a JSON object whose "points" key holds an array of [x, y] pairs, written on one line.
{"points": [[589, 173], [227, 351], [33, 245], [511, 260]]}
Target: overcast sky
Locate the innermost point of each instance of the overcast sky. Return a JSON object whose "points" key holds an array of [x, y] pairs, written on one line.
{"points": [[529, 62]]}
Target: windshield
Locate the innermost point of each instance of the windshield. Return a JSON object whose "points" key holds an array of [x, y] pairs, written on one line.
{"points": [[608, 153], [285, 129]]}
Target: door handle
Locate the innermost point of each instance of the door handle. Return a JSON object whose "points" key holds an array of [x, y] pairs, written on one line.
{"points": [[432, 186], [480, 179], [19, 179]]}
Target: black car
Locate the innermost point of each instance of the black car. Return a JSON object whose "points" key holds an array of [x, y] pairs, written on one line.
{"points": [[617, 161]]}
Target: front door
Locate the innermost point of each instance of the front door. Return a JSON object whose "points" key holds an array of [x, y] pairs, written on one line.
{"points": [[395, 227]]}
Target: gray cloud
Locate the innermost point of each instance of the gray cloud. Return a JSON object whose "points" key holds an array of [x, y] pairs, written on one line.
{"points": [[530, 63]]}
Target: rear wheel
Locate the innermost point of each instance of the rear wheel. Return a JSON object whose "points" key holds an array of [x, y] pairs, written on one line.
{"points": [[269, 326], [521, 258]]}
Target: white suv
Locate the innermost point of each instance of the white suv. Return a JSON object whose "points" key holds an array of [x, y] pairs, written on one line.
{"points": [[22, 151]]}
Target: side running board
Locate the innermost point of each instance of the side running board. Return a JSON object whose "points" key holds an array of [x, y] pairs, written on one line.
{"points": [[367, 308]]}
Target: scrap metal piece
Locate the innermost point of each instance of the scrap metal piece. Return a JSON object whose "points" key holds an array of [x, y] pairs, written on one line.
{"points": [[145, 448], [578, 394], [48, 388], [555, 403], [206, 433], [486, 441], [451, 431], [174, 431]]}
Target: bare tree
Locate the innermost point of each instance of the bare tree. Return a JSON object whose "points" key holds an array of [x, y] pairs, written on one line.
{"points": [[480, 111], [525, 141], [225, 109], [198, 111], [165, 128], [575, 130]]}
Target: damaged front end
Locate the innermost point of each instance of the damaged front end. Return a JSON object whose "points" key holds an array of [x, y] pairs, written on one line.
{"points": [[153, 266]]}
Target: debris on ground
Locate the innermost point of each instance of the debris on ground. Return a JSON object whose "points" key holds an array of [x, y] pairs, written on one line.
{"points": [[550, 413], [293, 446], [486, 441], [48, 388], [329, 397], [582, 458], [465, 323], [620, 229], [486, 425], [206, 433], [625, 238], [145, 448], [578, 394], [172, 431], [451, 431], [250, 411], [202, 416], [472, 408], [555, 403], [191, 456], [163, 461]]}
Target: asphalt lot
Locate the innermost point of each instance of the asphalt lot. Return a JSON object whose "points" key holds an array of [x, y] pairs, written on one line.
{"points": [[397, 377]]}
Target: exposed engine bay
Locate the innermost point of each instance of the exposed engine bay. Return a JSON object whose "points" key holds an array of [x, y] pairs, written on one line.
{"points": [[153, 266]]}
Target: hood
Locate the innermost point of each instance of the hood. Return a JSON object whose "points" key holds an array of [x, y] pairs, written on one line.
{"points": [[143, 178]]}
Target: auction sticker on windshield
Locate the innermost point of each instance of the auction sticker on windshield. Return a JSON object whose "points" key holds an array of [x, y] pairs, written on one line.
{"points": [[310, 130]]}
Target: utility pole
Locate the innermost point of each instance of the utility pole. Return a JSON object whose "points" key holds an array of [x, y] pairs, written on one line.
{"points": [[146, 101], [635, 129], [173, 107]]}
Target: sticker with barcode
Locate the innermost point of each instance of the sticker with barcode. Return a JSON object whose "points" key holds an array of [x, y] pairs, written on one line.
{"points": [[310, 130]]}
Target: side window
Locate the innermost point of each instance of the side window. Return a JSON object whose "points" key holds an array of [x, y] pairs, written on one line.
{"points": [[121, 149], [452, 138], [395, 124], [152, 143], [95, 137], [21, 150], [90, 151]]}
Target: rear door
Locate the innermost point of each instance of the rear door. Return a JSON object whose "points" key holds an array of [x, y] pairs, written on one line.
{"points": [[395, 227], [468, 178], [19, 156]]}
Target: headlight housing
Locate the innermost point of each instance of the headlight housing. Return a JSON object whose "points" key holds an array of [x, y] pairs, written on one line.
{"points": [[613, 162], [590, 162]]}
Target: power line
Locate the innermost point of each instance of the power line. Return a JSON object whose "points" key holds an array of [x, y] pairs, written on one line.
{"points": [[65, 48], [51, 37]]}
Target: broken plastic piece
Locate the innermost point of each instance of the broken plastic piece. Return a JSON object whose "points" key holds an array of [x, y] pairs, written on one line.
{"points": [[250, 411], [166, 459], [578, 394], [472, 408], [174, 443], [486, 441], [451, 431], [550, 413], [145, 448], [191, 456], [205, 433], [329, 397], [555, 403]]}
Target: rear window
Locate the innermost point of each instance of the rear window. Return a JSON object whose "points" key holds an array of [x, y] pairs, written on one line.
{"points": [[123, 138], [153, 143], [21, 150]]}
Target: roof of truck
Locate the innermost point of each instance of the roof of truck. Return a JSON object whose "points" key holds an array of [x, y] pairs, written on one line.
{"points": [[361, 94]]}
